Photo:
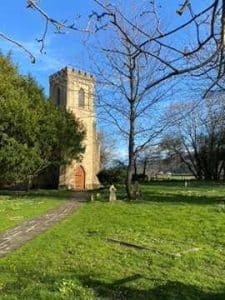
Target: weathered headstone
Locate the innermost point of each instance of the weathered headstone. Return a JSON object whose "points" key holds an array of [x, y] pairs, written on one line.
{"points": [[112, 193], [92, 198], [185, 183]]}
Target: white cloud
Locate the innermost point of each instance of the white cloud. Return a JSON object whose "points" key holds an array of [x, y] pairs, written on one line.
{"points": [[45, 62]]}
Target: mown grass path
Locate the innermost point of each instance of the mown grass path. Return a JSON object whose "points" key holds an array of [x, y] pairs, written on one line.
{"points": [[17, 236]]}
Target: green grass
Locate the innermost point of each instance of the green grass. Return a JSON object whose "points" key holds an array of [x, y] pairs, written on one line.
{"points": [[181, 229], [16, 207]]}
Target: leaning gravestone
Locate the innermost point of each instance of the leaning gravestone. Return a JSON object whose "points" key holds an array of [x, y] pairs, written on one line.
{"points": [[112, 193]]}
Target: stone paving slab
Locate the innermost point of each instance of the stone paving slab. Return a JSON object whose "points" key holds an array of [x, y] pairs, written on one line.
{"points": [[15, 237]]}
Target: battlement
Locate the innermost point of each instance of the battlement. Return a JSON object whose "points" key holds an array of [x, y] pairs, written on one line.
{"points": [[71, 71]]}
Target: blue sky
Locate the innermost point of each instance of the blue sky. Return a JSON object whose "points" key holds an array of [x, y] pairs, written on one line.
{"points": [[26, 26]]}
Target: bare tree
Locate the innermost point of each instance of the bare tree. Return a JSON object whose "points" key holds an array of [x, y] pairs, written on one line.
{"points": [[197, 136], [149, 160], [125, 99], [175, 58]]}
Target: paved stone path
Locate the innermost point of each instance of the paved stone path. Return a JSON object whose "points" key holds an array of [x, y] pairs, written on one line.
{"points": [[15, 237]]}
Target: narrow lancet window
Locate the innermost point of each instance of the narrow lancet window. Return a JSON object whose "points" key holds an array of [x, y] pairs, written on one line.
{"points": [[81, 98]]}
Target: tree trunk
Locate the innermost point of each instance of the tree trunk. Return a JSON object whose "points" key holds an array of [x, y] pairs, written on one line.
{"points": [[135, 166], [144, 167], [131, 160], [131, 153], [129, 183], [29, 183]]}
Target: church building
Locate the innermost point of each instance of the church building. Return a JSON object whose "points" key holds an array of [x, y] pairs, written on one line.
{"points": [[75, 90]]}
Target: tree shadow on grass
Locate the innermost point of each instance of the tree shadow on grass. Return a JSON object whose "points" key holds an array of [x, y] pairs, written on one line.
{"points": [[179, 198], [130, 287], [171, 290]]}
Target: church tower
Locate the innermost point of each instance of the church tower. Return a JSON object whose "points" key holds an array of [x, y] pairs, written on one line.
{"points": [[75, 90]]}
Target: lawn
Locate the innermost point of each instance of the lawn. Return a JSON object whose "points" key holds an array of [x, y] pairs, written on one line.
{"points": [[16, 207], [172, 247]]}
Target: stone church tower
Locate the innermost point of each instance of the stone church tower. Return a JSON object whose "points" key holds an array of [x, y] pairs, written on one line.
{"points": [[75, 90]]}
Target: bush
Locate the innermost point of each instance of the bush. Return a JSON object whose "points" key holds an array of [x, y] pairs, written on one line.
{"points": [[140, 177], [113, 175]]}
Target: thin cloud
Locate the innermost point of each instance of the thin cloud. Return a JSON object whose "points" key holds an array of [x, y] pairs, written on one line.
{"points": [[45, 62]]}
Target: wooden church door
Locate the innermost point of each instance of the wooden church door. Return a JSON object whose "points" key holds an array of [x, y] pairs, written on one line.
{"points": [[79, 178]]}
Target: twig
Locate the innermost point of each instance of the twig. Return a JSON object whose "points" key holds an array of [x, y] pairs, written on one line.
{"points": [[19, 45]]}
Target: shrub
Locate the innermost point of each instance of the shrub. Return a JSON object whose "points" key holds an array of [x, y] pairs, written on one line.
{"points": [[112, 175], [140, 177]]}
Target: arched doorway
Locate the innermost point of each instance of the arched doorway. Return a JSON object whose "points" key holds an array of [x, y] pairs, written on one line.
{"points": [[79, 178]]}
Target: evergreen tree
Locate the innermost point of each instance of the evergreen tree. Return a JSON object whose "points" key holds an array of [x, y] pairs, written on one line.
{"points": [[34, 134]]}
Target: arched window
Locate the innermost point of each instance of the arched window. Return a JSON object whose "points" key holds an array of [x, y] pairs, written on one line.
{"points": [[58, 96], [81, 98]]}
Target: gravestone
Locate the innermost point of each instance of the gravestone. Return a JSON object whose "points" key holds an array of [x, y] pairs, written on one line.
{"points": [[92, 198], [112, 193]]}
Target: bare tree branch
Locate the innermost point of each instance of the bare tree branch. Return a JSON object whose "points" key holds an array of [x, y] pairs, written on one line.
{"points": [[19, 45]]}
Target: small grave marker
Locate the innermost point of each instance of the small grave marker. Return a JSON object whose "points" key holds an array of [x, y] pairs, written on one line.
{"points": [[112, 193], [92, 198]]}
